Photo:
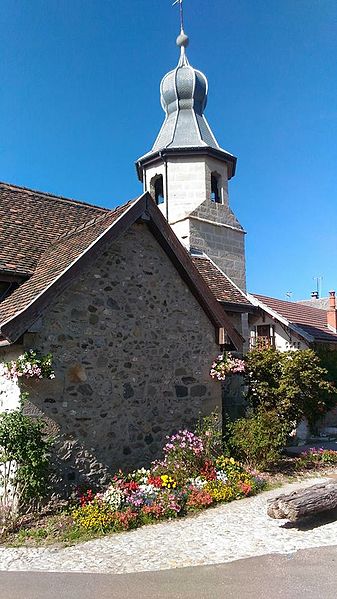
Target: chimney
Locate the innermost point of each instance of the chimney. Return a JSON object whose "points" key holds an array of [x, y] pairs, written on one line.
{"points": [[331, 313], [314, 295]]}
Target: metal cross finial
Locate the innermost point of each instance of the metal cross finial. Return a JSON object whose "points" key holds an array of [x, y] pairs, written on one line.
{"points": [[181, 10]]}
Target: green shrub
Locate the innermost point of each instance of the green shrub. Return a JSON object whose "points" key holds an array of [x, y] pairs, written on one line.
{"points": [[258, 439], [24, 457]]}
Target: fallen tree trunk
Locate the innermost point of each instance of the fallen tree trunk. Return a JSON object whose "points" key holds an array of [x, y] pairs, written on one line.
{"points": [[306, 502]]}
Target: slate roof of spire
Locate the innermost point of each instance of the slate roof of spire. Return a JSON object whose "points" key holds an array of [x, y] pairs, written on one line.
{"points": [[183, 96]]}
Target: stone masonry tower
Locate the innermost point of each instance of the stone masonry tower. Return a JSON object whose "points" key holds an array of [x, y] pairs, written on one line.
{"points": [[187, 172]]}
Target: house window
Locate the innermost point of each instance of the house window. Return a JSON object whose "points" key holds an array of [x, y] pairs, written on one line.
{"points": [[264, 336], [215, 188], [158, 189]]}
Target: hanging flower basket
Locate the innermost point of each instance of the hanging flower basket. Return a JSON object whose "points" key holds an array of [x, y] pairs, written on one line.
{"points": [[29, 366], [226, 364]]}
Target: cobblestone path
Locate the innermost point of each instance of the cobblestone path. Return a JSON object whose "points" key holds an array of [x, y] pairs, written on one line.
{"points": [[229, 532]]}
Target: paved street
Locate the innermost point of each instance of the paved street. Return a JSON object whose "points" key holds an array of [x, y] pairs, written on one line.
{"points": [[308, 574]]}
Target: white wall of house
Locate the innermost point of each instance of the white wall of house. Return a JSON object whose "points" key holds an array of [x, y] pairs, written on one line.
{"points": [[9, 401], [284, 338], [9, 390]]}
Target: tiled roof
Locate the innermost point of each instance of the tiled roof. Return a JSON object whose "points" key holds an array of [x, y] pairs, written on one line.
{"points": [[55, 259], [33, 220], [221, 286], [312, 321], [49, 238]]}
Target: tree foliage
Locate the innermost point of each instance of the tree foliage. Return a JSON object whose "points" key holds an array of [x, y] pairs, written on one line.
{"points": [[293, 383], [283, 388]]}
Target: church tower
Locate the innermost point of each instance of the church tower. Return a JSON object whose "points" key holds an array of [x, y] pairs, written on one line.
{"points": [[187, 172]]}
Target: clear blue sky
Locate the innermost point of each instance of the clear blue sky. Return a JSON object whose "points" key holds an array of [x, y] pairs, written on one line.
{"points": [[79, 102]]}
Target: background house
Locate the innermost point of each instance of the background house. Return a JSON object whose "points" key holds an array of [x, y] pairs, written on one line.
{"points": [[292, 325], [299, 325]]}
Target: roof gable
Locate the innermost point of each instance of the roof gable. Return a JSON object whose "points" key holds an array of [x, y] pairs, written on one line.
{"points": [[63, 258], [311, 321]]}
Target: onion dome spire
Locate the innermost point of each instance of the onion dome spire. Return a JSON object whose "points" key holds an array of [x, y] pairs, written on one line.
{"points": [[183, 96]]}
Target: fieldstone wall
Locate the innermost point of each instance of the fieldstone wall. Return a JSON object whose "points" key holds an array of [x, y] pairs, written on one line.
{"points": [[132, 350]]}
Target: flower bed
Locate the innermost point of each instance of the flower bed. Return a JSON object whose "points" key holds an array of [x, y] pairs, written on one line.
{"points": [[193, 475], [316, 457]]}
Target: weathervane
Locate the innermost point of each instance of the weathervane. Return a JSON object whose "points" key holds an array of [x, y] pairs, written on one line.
{"points": [[182, 39], [181, 10]]}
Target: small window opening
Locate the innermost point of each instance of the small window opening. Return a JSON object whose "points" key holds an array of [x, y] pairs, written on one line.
{"points": [[6, 288], [159, 190], [215, 188]]}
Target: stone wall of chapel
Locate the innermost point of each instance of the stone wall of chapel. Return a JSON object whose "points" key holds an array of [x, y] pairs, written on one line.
{"points": [[224, 245], [132, 350]]}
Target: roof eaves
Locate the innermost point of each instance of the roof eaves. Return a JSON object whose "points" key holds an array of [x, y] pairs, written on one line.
{"points": [[237, 307], [154, 156]]}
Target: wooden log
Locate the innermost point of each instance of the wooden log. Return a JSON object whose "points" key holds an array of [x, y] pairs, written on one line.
{"points": [[305, 502]]}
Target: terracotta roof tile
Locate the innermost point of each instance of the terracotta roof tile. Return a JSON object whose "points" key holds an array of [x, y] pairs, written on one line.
{"points": [[311, 320], [221, 286], [32, 221], [56, 259]]}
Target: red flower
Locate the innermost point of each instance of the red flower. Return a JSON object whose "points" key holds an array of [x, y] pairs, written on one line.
{"points": [[198, 499], [154, 510], [125, 520], [155, 481], [208, 471], [87, 497], [130, 486], [245, 488]]}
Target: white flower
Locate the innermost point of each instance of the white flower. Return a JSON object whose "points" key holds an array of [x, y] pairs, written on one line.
{"points": [[222, 476], [113, 497], [197, 482]]}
